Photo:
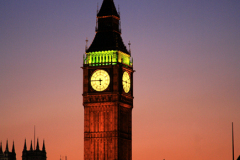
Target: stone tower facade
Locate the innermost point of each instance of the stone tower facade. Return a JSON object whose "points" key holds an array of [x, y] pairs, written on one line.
{"points": [[107, 91]]}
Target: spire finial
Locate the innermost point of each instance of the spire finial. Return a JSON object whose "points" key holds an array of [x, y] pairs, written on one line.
{"points": [[1, 147], [86, 44], [97, 8], [129, 47], [25, 146], [6, 150], [43, 147], [232, 142], [34, 137], [119, 10], [37, 148], [13, 148], [31, 148]]}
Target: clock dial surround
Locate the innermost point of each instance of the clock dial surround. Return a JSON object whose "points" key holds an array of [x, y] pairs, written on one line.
{"points": [[126, 82], [100, 80]]}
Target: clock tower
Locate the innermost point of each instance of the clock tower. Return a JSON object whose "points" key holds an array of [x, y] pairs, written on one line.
{"points": [[107, 91]]}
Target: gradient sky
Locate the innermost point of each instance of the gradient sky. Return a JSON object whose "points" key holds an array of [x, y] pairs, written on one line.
{"points": [[186, 85]]}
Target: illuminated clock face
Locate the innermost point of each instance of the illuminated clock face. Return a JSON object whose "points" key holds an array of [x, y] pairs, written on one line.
{"points": [[100, 80], [126, 82]]}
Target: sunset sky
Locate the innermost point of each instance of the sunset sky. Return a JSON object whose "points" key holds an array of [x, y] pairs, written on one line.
{"points": [[186, 86]]}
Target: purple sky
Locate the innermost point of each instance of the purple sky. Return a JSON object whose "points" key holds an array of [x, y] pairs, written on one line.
{"points": [[186, 85]]}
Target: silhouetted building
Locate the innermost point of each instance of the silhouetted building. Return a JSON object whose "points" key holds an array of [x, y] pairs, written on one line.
{"points": [[108, 90], [34, 154], [7, 155]]}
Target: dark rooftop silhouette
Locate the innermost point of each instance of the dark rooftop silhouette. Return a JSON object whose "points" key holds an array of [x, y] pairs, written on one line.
{"points": [[108, 8]]}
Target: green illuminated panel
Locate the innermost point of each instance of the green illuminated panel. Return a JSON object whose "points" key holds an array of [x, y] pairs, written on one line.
{"points": [[123, 58], [107, 57]]}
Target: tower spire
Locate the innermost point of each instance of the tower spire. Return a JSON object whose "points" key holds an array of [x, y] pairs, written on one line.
{"points": [[129, 47], [1, 148], [86, 47], [37, 148], [13, 148], [6, 150], [31, 148], [43, 147], [97, 8], [232, 142], [108, 31], [108, 9], [34, 137], [25, 146]]}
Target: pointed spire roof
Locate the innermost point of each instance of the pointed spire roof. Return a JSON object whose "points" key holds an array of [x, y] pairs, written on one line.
{"points": [[1, 147], [108, 32], [25, 146], [7, 150], [31, 148], [43, 147], [108, 9], [104, 41], [37, 148], [13, 148]]}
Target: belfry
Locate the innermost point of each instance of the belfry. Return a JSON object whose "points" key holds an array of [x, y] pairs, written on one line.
{"points": [[108, 90]]}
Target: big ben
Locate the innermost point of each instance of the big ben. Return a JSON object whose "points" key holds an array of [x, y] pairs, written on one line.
{"points": [[107, 91]]}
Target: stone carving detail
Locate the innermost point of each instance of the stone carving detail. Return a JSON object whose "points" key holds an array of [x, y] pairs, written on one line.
{"points": [[99, 98]]}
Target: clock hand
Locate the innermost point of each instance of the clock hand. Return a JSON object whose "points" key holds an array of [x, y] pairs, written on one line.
{"points": [[125, 82], [100, 81]]}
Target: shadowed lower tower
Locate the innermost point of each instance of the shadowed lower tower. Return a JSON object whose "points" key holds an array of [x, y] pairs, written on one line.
{"points": [[107, 91]]}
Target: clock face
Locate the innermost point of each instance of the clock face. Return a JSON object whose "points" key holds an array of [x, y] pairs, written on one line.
{"points": [[100, 80], [126, 82]]}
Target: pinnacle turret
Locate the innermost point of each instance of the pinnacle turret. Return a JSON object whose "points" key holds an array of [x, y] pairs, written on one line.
{"points": [[13, 148], [31, 148], [37, 148], [6, 150], [43, 147], [1, 148], [25, 146]]}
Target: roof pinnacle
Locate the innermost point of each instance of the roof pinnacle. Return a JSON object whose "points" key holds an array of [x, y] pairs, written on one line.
{"points": [[7, 147], [13, 148], [129, 47], [25, 146], [37, 148], [1, 147], [43, 147], [86, 47], [31, 148]]}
